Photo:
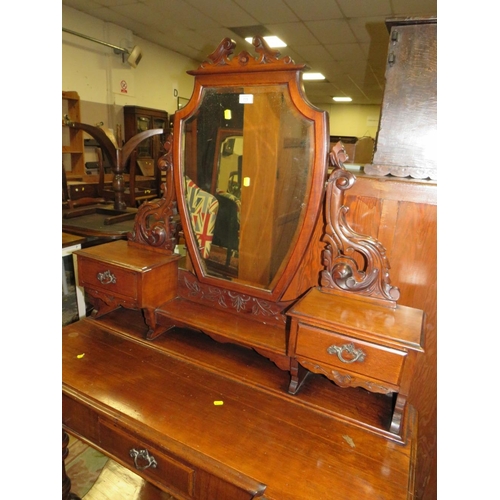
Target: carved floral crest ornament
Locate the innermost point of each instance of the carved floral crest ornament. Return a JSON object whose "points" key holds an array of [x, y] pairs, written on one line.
{"points": [[353, 262], [220, 57]]}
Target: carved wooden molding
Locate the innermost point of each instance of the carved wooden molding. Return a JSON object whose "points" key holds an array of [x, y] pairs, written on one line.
{"points": [[226, 299], [266, 58], [345, 248], [346, 380], [154, 225], [399, 171]]}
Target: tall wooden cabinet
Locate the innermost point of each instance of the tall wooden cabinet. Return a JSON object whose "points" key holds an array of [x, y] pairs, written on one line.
{"points": [[72, 139], [138, 119], [406, 142]]}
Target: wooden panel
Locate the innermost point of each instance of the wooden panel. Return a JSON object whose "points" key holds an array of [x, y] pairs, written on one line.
{"points": [[407, 215]]}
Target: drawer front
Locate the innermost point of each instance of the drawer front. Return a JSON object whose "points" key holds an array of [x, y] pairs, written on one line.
{"points": [[107, 278], [345, 353], [149, 462]]}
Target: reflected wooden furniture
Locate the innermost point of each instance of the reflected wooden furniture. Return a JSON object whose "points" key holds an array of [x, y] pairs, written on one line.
{"points": [[154, 404], [204, 420]]}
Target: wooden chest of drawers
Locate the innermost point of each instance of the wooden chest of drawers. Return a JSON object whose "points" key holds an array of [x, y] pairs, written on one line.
{"points": [[120, 274], [356, 344]]}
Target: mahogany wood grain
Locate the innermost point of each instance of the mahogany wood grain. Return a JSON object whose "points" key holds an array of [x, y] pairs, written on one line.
{"points": [[256, 437], [406, 211]]}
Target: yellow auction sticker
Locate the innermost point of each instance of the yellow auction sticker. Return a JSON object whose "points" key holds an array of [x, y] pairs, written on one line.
{"points": [[218, 403]]}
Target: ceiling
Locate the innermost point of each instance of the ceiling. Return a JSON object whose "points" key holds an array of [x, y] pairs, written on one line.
{"points": [[346, 40]]}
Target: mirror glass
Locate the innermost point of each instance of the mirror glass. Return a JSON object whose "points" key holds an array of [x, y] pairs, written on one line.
{"points": [[247, 158]]}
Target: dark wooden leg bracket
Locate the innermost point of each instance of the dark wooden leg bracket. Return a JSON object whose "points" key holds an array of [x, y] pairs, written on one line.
{"points": [[398, 414], [66, 482], [298, 375], [155, 329]]}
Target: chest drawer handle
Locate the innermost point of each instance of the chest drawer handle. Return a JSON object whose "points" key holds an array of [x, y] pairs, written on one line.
{"points": [[143, 455], [106, 278], [355, 354]]}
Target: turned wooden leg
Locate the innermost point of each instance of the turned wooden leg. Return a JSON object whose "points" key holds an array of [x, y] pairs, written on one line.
{"points": [[66, 482]]}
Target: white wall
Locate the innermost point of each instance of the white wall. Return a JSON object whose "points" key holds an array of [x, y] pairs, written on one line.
{"points": [[95, 72]]}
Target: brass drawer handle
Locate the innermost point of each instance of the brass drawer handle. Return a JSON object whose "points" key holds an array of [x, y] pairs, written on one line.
{"points": [[143, 455], [358, 354], [106, 278]]}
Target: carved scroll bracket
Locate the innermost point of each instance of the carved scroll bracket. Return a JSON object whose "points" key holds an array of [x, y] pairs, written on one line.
{"points": [[154, 223], [353, 262]]}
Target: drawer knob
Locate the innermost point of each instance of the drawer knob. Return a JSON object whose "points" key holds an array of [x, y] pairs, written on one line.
{"points": [[354, 354], [143, 456], [106, 278]]}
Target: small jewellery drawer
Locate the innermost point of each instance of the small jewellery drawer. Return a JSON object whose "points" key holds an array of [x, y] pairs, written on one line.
{"points": [[108, 278], [151, 463], [372, 360]]}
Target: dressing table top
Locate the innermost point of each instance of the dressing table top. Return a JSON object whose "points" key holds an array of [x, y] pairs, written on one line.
{"points": [[258, 436]]}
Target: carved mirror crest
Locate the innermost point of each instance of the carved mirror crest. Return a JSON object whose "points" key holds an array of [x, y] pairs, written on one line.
{"points": [[249, 164]]}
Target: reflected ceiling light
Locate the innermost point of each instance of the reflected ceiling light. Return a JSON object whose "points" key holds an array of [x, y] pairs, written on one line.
{"points": [[273, 41], [133, 57], [313, 76], [342, 99]]}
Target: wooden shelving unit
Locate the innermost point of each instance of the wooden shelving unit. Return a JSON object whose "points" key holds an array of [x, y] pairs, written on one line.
{"points": [[72, 139]]}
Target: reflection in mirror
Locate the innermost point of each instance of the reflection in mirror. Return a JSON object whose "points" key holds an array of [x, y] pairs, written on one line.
{"points": [[247, 160]]}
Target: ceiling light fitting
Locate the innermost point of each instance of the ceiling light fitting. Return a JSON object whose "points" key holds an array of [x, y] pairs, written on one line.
{"points": [[273, 41], [313, 76], [133, 57], [342, 99]]}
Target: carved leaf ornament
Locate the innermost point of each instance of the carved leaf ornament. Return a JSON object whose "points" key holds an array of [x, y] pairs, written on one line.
{"points": [[154, 224]]}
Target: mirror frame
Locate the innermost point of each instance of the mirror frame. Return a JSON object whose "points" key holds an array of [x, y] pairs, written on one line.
{"points": [[266, 68]]}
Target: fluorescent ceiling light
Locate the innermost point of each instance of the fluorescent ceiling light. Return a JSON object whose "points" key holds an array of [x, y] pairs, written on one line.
{"points": [[273, 41], [342, 99], [313, 76]]}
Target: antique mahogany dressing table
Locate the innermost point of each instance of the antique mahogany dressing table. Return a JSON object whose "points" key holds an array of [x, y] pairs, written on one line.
{"points": [[262, 370]]}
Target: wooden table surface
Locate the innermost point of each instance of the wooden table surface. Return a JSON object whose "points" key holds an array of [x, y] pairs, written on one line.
{"points": [[294, 445], [71, 239]]}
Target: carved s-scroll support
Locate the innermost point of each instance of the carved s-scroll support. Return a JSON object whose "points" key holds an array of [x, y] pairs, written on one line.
{"points": [[154, 223], [346, 249]]}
